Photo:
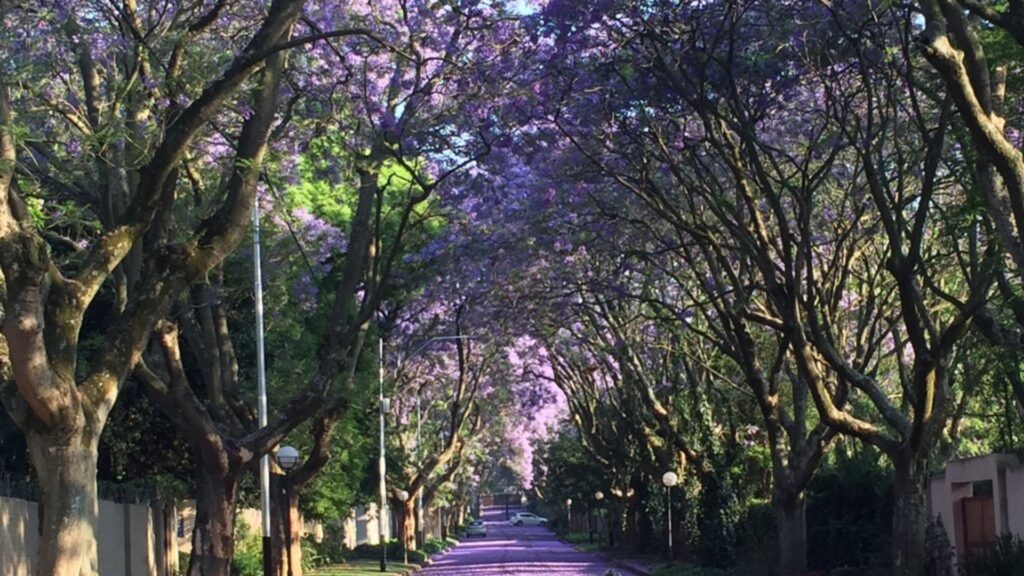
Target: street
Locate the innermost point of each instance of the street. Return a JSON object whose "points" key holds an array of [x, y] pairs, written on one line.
{"points": [[515, 550]]}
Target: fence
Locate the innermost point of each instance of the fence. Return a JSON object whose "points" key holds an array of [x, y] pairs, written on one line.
{"points": [[134, 537]]}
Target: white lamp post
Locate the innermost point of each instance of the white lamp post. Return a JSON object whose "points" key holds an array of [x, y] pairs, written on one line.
{"points": [[288, 458], [669, 479], [261, 385]]}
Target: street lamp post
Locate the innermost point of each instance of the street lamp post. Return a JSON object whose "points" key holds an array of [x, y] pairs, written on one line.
{"points": [[669, 479], [420, 537], [287, 458], [590, 525], [381, 464], [404, 497], [568, 513], [599, 496], [261, 386]]}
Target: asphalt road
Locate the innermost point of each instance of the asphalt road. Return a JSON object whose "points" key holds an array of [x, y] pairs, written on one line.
{"points": [[511, 549]]}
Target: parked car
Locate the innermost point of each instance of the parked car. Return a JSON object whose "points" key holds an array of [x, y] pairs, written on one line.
{"points": [[476, 528], [527, 519]]}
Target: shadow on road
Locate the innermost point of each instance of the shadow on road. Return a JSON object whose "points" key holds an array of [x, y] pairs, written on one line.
{"points": [[514, 550]]}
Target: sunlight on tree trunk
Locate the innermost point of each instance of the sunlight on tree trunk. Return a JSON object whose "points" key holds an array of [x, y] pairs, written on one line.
{"points": [[69, 505]]}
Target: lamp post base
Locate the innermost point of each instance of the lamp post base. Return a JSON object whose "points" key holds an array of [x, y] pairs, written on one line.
{"points": [[268, 556]]}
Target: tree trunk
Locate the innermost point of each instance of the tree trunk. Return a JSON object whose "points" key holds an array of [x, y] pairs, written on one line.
{"points": [[69, 505], [910, 518], [213, 540], [791, 523], [407, 528], [293, 557], [286, 527]]}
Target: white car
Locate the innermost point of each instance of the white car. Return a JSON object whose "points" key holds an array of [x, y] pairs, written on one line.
{"points": [[476, 528], [527, 519]]}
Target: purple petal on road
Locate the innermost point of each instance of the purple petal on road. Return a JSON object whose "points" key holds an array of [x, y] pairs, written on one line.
{"points": [[511, 550]]}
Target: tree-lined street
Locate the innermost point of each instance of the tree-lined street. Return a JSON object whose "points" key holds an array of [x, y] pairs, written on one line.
{"points": [[732, 279], [515, 550]]}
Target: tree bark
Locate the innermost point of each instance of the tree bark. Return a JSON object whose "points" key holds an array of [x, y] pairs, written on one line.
{"points": [[288, 543], [213, 541], [910, 518], [407, 523], [69, 504], [791, 524]]}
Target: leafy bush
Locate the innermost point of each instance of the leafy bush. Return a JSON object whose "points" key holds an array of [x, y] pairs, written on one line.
{"points": [[939, 561], [368, 551], [849, 513], [716, 522], [435, 545], [248, 558], [1006, 559], [330, 550], [311, 557], [757, 550]]}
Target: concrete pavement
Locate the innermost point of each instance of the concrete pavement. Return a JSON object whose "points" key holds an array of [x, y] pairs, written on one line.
{"points": [[515, 550]]}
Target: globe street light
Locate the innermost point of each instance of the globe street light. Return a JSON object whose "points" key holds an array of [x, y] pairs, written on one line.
{"points": [[669, 479], [287, 458]]}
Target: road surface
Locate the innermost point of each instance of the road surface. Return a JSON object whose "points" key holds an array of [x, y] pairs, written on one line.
{"points": [[507, 549]]}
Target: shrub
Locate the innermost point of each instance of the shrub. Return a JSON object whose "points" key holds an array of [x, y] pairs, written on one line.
{"points": [[330, 550], [716, 522], [757, 550], [248, 558], [849, 513], [368, 551], [435, 545], [940, 552], [1006, 559]]}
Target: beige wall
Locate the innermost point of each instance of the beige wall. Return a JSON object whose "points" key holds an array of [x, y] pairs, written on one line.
{"points": [[19, 531], [19, 539]]}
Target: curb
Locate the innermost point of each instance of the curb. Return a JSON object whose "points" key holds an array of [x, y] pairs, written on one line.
{"points": [[428, 562], [630, 567]]}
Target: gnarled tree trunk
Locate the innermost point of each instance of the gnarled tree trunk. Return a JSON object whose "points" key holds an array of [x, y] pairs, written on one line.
{"points": [[69, 504], [213, 541]]}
